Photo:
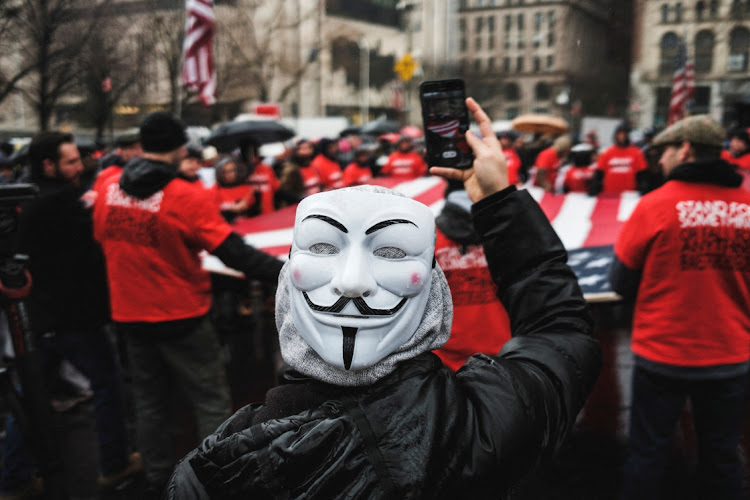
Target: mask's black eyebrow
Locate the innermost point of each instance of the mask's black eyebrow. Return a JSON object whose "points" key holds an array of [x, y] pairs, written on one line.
{"points": [[389, 222], [329, 220]]}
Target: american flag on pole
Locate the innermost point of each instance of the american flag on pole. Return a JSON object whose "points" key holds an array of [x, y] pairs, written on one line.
{"points": [[587, 226], [198, 72], [683, 86]]}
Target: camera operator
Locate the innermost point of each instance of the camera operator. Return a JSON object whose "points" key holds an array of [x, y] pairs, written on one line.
{"points": [[68, 304]]}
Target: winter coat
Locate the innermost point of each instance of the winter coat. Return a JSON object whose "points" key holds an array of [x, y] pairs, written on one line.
{"points": [[69, 282], [423, 431]]}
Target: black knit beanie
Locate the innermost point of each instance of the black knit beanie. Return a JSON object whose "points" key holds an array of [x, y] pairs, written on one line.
{"points": [[161, 132]]}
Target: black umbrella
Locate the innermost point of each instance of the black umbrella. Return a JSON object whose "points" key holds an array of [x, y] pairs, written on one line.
{"points": [[230, 135], [380, 127]]}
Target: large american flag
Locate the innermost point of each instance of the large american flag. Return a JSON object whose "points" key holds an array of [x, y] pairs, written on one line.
{"points": [[198, 72], [586, 225], [683, 85]]}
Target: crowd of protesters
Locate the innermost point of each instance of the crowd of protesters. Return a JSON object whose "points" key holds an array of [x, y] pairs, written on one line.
{"points": [[242, 184]]}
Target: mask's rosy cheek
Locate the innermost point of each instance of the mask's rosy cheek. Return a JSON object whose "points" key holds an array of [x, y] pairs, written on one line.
{"points": [[403, 278], [308, 272]]}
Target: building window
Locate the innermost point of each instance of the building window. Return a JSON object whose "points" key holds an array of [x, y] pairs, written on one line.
{"points": [[664, 13], [491, 42], [478, 43], [704, 51], [541, 92], [551, 19], [507, 40], [508, 23], [550, 62], [537, 64], [537, 40], [669, 47], [700, 11], [739, 43], [550, 39], [477, 65], [463, 45], [713, 9], [511, 92], [491, 63], [538, 21], [519, 64], [736, 9], [506, 64], [478, 25], [511, 113], [520, 42], [678, 13], [491, 24], [520, 21]]}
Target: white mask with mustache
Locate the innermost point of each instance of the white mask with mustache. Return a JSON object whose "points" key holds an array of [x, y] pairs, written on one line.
{"points": [[360, 275]]}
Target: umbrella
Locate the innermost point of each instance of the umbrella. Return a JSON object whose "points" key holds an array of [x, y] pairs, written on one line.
{"points": [[539, 124], [230, 135], [412, 131], [380, 127]]}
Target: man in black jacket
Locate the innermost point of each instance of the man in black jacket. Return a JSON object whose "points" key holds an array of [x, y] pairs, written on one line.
{"points": [[152, 226], [369, 411], [68, 303]]}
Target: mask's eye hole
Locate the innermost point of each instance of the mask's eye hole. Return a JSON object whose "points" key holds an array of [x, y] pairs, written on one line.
{"points": [[324, 249], [391, 253]]}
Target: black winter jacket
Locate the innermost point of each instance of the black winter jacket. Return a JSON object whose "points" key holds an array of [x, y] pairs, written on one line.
{"points": [[69, 282], [423, 431]]}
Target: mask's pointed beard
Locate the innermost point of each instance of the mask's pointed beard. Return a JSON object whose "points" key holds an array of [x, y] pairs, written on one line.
{"points": [[348, 346]]}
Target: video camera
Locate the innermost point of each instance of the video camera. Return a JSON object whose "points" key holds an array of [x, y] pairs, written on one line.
{"points": [[11, 198]]}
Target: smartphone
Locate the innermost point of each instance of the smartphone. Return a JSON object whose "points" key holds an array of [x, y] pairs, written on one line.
{"points": [[445, 120]]}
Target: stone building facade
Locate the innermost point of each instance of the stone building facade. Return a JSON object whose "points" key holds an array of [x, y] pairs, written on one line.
{"points": [[568, 58], [716, 34]]}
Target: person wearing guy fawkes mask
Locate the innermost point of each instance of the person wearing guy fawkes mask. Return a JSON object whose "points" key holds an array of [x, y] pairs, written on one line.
{"points": [[367, 410]]}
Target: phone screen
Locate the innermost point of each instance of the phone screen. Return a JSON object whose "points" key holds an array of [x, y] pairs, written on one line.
{"points": [[445, 120]]}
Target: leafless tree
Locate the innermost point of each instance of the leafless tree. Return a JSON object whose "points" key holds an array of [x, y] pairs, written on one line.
{"points": [[113, 65], [47, 38], [168, 31], [257, 49]]}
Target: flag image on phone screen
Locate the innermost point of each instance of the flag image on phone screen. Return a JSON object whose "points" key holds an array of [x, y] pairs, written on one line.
{"points": [[445, 121]]}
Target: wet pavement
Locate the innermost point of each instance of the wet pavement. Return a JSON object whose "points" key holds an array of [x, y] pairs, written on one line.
{"points": [[589, 466]]}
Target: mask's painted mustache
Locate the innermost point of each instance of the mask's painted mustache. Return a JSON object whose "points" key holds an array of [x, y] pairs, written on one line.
{"points": [[359, 303]]}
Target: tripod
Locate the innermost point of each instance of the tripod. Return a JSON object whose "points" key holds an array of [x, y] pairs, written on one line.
{"points": [[31, 409]]}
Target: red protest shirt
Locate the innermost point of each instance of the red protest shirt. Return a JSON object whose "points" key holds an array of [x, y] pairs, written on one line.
{"points": [[409, 165], [691, 243], [152, 249], [105, 174], [264, 181], [225, 197], [355, 174], [480, 322], [514, 165], [311, 180], [548, 161], [578, 179], [620, 166], [330, 172], [741, 161]]}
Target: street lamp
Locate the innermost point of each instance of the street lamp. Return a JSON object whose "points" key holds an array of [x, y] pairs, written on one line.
{"points": [[364, 78]]}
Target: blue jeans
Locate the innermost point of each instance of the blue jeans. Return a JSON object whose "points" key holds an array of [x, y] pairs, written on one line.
{"points": [[657, 403], [91, 352]]}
